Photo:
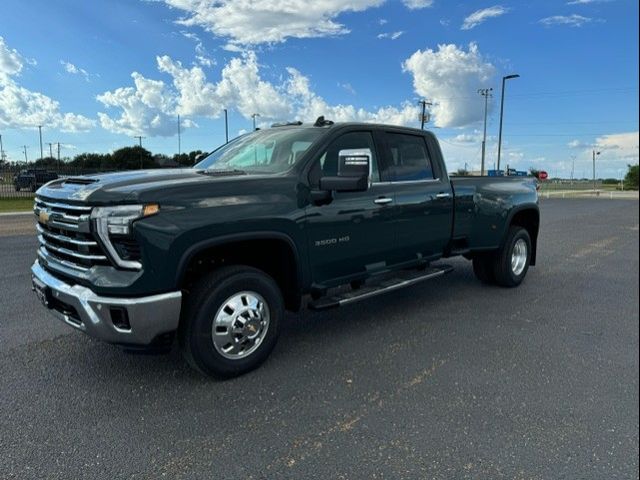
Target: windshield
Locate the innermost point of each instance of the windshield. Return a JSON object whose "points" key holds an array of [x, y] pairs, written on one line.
{"points": [[264, 151]]}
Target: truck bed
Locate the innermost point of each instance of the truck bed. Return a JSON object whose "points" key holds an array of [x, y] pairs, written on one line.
{"points": [[480, 206]]}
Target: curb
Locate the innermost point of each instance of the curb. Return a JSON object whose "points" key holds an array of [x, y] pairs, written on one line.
{"points": [[10, 214]]}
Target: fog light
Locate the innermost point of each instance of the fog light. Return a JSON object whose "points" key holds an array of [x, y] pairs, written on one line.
{"points": [[120, 318]]}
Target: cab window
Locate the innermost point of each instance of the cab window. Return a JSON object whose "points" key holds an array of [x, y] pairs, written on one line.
{"points": [[327, 164], [409, 157]]}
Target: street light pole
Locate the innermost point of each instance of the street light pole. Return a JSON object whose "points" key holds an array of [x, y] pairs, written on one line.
{"points": [[226, 127], [254, 115], [594, 152], [504, 79], [486, 93], [41, 150]]}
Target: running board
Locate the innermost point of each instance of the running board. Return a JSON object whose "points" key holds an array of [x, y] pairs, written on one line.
{"points": [[399, 280]]}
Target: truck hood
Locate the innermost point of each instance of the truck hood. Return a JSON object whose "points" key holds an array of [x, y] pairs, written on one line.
{"points": [[129, 186]]}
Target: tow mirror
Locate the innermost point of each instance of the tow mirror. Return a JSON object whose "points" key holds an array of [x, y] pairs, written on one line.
{"points": [[354, 168]]}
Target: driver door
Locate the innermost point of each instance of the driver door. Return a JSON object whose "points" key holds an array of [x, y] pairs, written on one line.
{"points": [[352, 234]]}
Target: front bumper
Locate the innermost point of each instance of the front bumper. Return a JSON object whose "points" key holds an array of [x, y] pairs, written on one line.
{"points": [[124, 321]]}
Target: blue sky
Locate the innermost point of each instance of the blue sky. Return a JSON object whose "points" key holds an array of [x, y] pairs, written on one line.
{"points": [[96, 74]]}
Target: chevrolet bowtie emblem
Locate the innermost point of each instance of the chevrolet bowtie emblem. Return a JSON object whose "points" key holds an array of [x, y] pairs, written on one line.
{"points": [[43, 216]]}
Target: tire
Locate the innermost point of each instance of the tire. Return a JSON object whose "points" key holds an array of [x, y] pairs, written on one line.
{"points": [[483, 267], [512, 262], [220, 295]]}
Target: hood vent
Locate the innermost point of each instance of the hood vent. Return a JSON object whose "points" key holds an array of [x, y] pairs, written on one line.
{"points": [[80, 181]]}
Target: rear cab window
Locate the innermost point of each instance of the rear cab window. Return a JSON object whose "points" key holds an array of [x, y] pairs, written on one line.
{"points": [[409, 158]]}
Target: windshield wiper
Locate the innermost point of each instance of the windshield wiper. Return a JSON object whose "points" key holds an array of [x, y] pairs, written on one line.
{"points": [[215, 172]]}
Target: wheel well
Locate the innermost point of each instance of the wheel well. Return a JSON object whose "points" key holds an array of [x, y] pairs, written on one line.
{"points": [[529, 219], [273, 256]]}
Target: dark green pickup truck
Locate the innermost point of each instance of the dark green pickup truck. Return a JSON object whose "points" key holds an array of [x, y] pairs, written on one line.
{"points": [[322, 215]]}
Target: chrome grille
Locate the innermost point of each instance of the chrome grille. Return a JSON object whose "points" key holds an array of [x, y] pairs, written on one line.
{"points": [[64, 233]]}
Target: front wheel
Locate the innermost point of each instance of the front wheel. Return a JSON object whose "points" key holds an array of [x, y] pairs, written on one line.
{"points": [[230, 321]]}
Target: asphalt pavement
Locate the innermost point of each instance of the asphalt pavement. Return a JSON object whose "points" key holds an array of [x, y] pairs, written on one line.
{"points": [[449, 379]]}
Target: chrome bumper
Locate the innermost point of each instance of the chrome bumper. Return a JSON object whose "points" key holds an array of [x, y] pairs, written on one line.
{"points": [[79, 307]]}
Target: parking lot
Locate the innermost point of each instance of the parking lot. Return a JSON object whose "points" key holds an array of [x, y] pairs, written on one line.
{"points": [[445, 380]]}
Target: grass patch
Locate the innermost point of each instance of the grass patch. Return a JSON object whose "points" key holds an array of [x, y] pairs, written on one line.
{"points": [[16, 204]]}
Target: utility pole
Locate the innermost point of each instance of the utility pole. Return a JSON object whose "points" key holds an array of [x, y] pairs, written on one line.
{"points": [[486, 93], [24, 148], [41, 150], [50, 149], [423, 116], [226, 127], [59, 165], [140, 137], [254, 115], [179, 139], [1, 150], [594, 152], [504, 79]]}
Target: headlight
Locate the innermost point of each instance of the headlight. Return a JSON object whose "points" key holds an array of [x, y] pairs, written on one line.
{"points": [[118, 221]]}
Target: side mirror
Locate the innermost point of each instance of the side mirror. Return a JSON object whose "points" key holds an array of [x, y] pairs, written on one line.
{"points": [[354, 169]]}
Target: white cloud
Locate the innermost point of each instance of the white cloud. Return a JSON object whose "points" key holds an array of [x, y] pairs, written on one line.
{"points": [[255, 22], [586, 2], [417, 4], [348, 87], [480, 16], [23, 108], [383, 21], [391, 35], [573, 20], [11, 62], [203, 57], [72, 69], [150, 107], [577, 144], [146, 109], [450, 78], [619, 145]]}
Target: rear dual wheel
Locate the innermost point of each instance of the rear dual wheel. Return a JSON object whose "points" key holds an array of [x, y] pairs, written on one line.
{"points": [[508, 266]]}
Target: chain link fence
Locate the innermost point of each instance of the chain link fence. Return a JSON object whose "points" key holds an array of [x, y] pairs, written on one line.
{"points": [[22, 182]]}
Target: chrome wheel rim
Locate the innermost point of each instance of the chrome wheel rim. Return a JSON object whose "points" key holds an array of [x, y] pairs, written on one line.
{"points": [[240, 325], [519, 257]]}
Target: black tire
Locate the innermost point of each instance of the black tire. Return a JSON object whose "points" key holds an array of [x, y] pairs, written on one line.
{"points": [[202, 304], [503, 271], [483, 266]]}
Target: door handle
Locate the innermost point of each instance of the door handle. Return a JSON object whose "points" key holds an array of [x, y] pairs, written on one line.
{"points": [[383, 200], [443, 195]]}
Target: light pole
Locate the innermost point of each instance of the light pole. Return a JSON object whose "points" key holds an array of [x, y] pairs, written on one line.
{"points": [[226, 127], [504, 79], [594, 169], [486, 93], [41, 150], [254, 115]]}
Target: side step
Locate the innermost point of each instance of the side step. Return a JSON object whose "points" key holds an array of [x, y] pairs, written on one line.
{"points": [[389, 284]]}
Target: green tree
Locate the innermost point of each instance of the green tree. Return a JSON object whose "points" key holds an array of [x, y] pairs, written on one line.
{"points": [[132, 158], [631, 178]]}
